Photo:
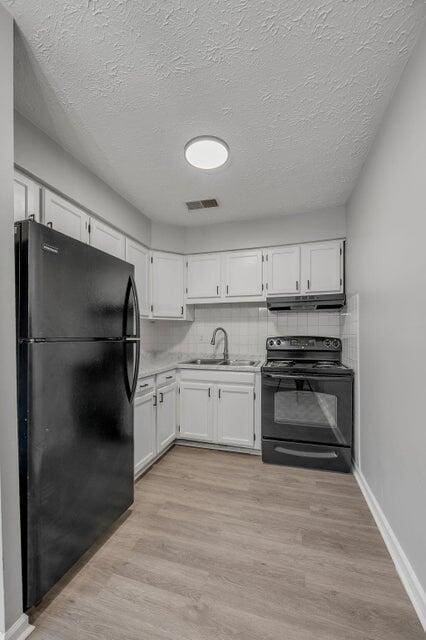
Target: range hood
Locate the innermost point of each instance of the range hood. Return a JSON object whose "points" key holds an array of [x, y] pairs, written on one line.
{"points": [[307, 303]]}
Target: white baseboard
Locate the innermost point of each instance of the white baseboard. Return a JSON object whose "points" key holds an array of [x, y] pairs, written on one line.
{"points": [[217, 447], [411, 583], [18, 631]]}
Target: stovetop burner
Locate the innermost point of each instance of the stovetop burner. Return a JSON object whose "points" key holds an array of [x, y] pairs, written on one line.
{"points": [[326, 365], [303, 354], [304, 367]]}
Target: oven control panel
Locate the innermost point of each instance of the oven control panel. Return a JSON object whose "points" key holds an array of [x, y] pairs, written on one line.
{"points": [[306, 343]]}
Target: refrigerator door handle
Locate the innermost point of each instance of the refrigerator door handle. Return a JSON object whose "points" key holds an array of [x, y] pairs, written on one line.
{"points": [[132, 289]]}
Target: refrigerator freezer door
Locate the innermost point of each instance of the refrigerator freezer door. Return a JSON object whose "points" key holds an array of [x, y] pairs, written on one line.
{"points": [[67, 289], [76, 450]]}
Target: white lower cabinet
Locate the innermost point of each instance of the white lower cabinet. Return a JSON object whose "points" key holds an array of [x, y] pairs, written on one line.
{"points": [[144, 431], [155, 418], [166, 416], [216, 410], [235, 415], [196, 407]]}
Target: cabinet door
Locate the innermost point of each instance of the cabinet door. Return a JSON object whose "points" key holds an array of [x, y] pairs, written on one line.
{"points": [[196, 411], [322, 267], [166, 416], [283, 268], [65, 217], [167, 285], [235, 415], [107, 239], [139, 257], [26, 197], [203, 276], [243, 274], [144, 431]]}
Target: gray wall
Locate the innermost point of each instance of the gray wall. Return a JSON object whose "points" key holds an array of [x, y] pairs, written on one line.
{"points": [[10, 568], [168, 237], [44, 158], [387, 267], [318, 225]]}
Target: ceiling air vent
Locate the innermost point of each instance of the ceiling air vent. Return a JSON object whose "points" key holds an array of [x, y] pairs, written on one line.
{"points": [[202, 204]]}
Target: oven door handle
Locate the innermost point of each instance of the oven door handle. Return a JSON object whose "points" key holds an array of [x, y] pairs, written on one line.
{"points": [[277, 376], [307, 454]]}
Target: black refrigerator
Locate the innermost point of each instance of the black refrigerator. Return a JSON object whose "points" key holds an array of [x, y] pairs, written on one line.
{"points": [[78, 358]]}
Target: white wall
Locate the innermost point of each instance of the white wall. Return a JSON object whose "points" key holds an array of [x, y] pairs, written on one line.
{"points": [[387, 268], [10, 567], [167, 237], [305, 227], [44, 158]]}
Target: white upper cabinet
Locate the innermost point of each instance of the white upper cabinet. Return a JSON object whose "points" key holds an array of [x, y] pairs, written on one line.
{"points": [[203, 276], [322, 267], [65, 217], [243, 274], [139, 257], [283, 270], [107, 239], [167, 285], [26, 197]]}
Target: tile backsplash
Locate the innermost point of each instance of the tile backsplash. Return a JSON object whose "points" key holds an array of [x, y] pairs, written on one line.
{"points": [[248, 326]]}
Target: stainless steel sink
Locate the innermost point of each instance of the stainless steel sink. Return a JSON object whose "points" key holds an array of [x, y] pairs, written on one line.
{"points": [[213, 361], [222, 363], [239, 363]]}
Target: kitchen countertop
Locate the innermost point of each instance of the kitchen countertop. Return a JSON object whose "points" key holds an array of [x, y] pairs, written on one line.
{"points": [[152, 364]]}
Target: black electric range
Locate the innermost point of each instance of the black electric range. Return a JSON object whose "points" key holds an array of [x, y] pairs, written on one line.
{"points": [[307, 403]]}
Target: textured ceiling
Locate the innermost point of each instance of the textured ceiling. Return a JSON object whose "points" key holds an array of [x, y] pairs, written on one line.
{"points": [[296, 88]]}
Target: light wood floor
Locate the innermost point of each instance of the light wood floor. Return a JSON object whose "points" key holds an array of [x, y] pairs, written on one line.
{"points": [[222, 547]]}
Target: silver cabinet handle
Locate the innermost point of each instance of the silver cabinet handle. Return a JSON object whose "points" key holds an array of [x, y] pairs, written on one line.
{"points": [[49, 224], [141, 386], [308, 284], [169, 377], [154, 398], [297, 285], [217, 289], [307, 454], [161, 398]]}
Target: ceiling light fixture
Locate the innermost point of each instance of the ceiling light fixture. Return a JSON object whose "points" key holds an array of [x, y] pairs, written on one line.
{"points": [[206, 152]]}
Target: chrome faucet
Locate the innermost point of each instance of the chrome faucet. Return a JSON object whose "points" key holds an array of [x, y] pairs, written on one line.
{"points": [[225, 339]]}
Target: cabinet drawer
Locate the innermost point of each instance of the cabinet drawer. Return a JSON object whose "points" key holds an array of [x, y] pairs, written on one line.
{"points": [[311, 456], [145, 385], [168, 377], [217, 376]]}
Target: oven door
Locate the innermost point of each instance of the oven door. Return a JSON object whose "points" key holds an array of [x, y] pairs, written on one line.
{"points": [[316, 409]]}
